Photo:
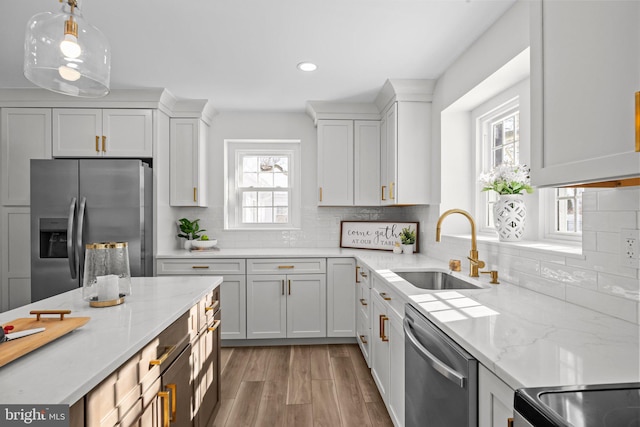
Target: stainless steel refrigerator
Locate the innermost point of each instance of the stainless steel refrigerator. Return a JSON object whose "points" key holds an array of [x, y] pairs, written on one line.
{"points": [[76, 202]]}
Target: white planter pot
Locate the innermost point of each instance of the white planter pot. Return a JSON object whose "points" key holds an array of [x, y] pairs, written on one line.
{"points": [[407, 249], [509, 215], [187, 244]]}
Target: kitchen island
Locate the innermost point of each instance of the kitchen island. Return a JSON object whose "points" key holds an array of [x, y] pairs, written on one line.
{"points": [[67, 369]]}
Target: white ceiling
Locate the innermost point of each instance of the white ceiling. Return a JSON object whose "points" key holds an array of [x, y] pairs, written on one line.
{"points": [[242, 54]]}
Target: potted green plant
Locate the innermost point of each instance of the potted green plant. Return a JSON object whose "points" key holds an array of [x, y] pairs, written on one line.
{"points": [[408, 239], [189, 230]]}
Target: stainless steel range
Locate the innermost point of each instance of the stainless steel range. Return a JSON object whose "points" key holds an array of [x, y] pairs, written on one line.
{"points": [[605, 405]]}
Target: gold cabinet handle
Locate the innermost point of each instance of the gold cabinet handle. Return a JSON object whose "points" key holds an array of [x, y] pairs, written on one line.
{"points": [[385, 296], [282, 287], [391, 195], [104, 144], [363, 274], [509, 422], [286, 267], [638, 121], [97, 144], [384, 190], [320, 193], [215, 326], [195, 267], [173, 393], [357, 271], [213, 306], [195, 194], [167, 351], [289, 286], [383, 335], [363, 339], [164, 395], [363, 301]]}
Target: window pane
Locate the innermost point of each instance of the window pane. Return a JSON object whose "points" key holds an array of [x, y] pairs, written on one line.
{"points": [[566, 219], [509, 154], [509, 130], [497, 157], [249, 164], [265, 215], [282, 165], [282, 215], [280, 179], [249, 215], [265, 198], [265, 179], [249, 179], [497, 134], [249, 198], [566, 192], [280, 198]]}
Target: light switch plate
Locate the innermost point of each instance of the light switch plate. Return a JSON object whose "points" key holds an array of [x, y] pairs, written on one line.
{"points": [[630, 248]]}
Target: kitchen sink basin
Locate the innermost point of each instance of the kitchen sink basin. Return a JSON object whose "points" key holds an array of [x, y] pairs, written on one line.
{"points": [[435, 280]]}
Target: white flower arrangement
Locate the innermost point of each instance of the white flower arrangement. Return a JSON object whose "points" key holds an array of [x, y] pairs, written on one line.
{"points": [[507, 178]]}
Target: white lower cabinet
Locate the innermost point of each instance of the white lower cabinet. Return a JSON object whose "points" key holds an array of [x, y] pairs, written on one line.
{"points": [[396, 368], [341, 297], [233, 291], [286, 306], [380, 347], [387, 348], [363, 310], [495, 400]]}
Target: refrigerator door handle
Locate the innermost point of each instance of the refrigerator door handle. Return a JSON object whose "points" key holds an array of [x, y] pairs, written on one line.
{"points": [[79, 235], [71, 255]]}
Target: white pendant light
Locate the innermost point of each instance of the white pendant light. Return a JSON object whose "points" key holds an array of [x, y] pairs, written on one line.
{"points": [[66, 54]]}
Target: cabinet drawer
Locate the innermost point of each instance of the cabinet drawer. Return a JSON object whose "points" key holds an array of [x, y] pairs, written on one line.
{"points": [[388, 294], [287, 266], [208, 307], [363, 276], [364, 300], [200, 267]]}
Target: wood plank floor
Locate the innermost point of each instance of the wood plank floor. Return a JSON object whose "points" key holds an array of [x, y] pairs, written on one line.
{"points": [[298, 386]]}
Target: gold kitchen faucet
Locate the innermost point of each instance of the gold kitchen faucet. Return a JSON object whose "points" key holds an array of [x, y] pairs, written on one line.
{"points": [[475, 264]]}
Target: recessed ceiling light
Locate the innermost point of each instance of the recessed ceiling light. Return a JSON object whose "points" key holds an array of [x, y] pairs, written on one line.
{"points": [[307, 66]]}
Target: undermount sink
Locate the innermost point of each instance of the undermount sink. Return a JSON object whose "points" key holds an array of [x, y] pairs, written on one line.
{"points": [[436, 280]]}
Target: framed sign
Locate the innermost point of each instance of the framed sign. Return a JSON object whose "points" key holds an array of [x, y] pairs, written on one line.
{"points": [[380, 235]]}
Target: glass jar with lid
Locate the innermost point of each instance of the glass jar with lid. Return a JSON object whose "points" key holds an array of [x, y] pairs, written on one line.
{"points": [[107, 276]]}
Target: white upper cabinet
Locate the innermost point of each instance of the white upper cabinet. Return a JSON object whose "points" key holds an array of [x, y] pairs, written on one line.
{"points": [[187, 168], [405, 172], [348, 162], [25, 135], [86, 132], [585, 73], [335, 162]]}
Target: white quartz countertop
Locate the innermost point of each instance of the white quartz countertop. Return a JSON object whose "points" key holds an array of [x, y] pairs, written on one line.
{"points": [[64, 370], [526, 338]]}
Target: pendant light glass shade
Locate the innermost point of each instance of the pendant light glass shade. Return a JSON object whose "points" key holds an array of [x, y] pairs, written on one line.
{"points": [[65, 54]]}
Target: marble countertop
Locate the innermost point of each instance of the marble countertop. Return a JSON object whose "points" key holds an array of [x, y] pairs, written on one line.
{"points": [[526, 338], [64, 370]]}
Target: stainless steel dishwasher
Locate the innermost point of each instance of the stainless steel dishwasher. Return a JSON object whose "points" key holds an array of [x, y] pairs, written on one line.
{"points": [[441, 378]]}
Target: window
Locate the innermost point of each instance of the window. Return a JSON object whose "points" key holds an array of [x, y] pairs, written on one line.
{"points": [[567, 213], [262, 184], [499, 132]]}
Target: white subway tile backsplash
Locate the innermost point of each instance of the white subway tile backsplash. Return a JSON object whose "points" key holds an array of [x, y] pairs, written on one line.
{"points": [[608, 220], [624, 287], [623, 199], [602, 262], [589, 201], [569, 275], [607, 242], [589, 242], [614, 306], [548, 287]]}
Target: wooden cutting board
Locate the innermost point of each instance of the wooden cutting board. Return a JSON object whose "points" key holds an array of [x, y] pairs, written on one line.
{"points": [[55, 327]]}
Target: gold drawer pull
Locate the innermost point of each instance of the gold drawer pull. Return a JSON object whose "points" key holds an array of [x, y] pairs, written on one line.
{"points": [[357, 271], [173, 392], [167, 351], [164, 395], [391, 195], [286, 267], [384, 189], [363, 274], [97, 144], [200, 266], [363, 339], [385, 296], [363, 301], [104, 144], [215, 326], [383, 335], [213, 306], [320, 193]]}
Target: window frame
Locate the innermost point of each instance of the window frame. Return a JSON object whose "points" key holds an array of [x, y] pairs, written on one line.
{"points": [[549, 208], [235, 149]]}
